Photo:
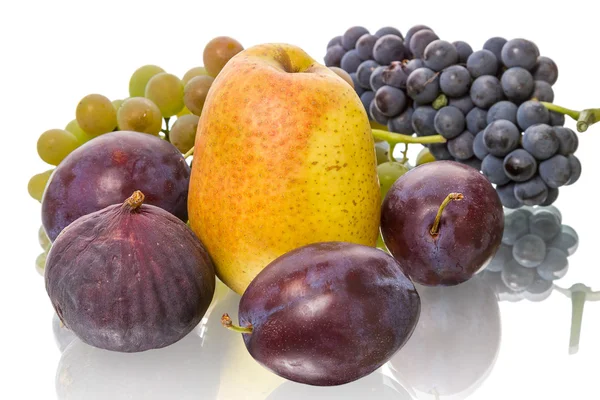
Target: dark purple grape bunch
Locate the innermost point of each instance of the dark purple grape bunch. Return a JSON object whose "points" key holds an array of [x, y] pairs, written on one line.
{"points": [[533, 254]]}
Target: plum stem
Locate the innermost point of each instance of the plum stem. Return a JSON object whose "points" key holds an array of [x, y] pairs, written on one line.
{"points": [[436, 224], [392, 137], [189, 153], [228, 323], [135, 201]]}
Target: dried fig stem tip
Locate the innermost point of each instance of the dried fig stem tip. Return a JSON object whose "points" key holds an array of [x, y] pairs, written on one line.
{"points": [[135, 201], [227, 323], [436, 224]]}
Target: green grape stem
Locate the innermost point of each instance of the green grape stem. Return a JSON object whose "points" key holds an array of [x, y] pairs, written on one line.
{"points": [[440, 101], [227, 323], [394, 138], [391, 152], [561, 110], [584, 118], [166, 131], [189, 153], [405, 153]]}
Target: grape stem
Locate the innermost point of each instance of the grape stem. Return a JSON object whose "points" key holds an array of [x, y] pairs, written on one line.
{"points": [[189, 153], [435, 228], [228, 323], [394, 138], [404, 153], [166, 131], [584, 118], [440, 101], [391, 152], [579, 294]]}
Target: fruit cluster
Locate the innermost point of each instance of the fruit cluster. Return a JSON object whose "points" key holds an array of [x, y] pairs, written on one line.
{"points": [[533, 254], [487, 104]]}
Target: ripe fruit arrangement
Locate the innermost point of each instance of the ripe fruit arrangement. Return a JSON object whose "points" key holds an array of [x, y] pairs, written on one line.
{"points": [[492, 106]]}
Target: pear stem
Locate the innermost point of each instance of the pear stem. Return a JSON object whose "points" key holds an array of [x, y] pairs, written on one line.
{"points": [[228, 323], [436, 224], [189, 153], [392, 137]]}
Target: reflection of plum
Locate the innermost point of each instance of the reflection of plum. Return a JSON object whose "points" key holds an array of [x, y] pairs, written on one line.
{"points": [[63, 336], [375, 386], [182, 370], [455, 343]]}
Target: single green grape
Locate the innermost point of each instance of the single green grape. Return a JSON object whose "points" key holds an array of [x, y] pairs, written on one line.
{"points": [[96, 115], [388, 172], [183, 132], [117, 104], [76, 130], [55, 144], [40, 263], [425, 156], [381, 151], [184, 111], [166, 91], [43, 239], [218, 52], [37, 184], [192, 73], [139, 79], [195, 92], [140, 115]]}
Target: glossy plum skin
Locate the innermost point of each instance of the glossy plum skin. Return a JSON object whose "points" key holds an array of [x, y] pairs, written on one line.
{"points": [[470, 230], [129, 280], [107, 169], [328, 313]]}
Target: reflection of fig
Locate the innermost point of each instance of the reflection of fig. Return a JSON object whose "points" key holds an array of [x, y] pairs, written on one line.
{"points": [[455, 343], [180, 371], [130, 277]]}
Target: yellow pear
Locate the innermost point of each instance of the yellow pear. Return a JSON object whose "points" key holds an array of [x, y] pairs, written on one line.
{"points": [[284, 157]]}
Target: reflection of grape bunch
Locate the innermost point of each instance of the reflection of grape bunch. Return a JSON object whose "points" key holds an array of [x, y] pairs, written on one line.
{"points": [[486, 104], [533, 254]]}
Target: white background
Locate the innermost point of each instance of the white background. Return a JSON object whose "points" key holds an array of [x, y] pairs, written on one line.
{"points": [[55, 52]]}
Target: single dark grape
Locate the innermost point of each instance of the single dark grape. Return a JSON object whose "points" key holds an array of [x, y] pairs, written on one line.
{"points": [[389, 48], [542, 91], [551, 198], [420, 40], [440, 151], [449, 122], [414, 64], [461, 147], [333, 57], [555, 265], [395, 75], [455, 81], [413, 30], [532, 192], [495, 45], [492, 168], [519, 165], [423, 85], [517, 84], [575, 166], [545, 224], [567, 240], [366, 98], [555, 171], [501, 137], [388, 30], [350, 61], [336, 40], [541, 141], [440, 54], [423, 121], [567, 140], [473, 162], [364, 71], [390, 101], [464, 103], [516, 277], [545, 70], [351, 36], [502, 256], [402, 123], [357, 88], [516, 225], [539, 290], [507, 195], [529, 250], [376, 80], [364, 46], [530, 113], [464, 50], [556, 119], [376, 114], [486, 91], [482, 62], [520, 53], [476, 120], [502, 110], [479, 147]]}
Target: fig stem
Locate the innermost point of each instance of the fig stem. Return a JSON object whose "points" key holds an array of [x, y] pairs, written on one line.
{"points": [[189, 153], [228, 323], [135, 201], [392, 137], [436, 224]]}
